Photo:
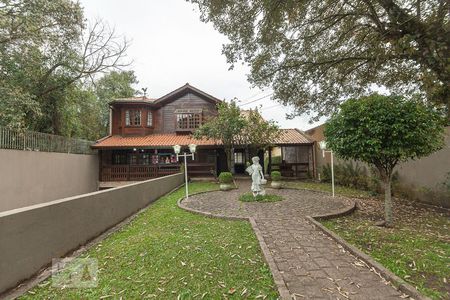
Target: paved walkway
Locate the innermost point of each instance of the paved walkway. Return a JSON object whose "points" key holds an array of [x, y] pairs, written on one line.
{"points": [[311, 264]]}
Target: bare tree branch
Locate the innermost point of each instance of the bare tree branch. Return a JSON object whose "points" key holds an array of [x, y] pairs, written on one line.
{"points": [[102, 51]]}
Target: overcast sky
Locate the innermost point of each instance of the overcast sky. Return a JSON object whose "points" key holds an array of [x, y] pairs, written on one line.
{"points": [[171, 46]]}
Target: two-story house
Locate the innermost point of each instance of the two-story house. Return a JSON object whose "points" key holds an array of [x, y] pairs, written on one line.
{"points": [[143, 132]]}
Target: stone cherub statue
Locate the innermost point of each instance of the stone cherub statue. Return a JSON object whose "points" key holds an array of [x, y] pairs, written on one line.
{"points": [[255, 170]]}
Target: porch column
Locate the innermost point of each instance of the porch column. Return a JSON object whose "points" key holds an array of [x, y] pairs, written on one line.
{"points": [[269, 165]]}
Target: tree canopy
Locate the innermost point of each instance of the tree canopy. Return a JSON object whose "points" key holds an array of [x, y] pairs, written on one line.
{"points": [[314, 54], [225, 127], [234, 127], [48, 51], [258, 132], [384, 131], [116, 84]]}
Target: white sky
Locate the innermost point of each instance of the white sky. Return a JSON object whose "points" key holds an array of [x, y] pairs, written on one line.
{"points": [[171, 46]]}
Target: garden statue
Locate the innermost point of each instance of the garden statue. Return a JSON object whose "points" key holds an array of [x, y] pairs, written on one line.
{"points": [[255, 170]]}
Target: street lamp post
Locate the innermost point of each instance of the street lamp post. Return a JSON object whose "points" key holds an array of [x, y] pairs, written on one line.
{"points": [[177, 149], [323, 146]]}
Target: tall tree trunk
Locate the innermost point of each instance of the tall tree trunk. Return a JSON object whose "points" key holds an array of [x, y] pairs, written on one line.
{"points": [[388, 201], [56, 122], [229, 155], [247, 155], [232, 170]]}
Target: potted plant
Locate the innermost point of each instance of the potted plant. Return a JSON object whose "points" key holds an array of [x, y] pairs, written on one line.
{"points": [[276, 180], [226, 181]]}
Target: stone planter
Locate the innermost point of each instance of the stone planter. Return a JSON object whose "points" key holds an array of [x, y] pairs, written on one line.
{"points": [[275, 184], [225, 186]]}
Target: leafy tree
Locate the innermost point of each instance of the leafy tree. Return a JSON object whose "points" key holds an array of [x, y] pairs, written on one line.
{"points": [[234, 127], [82, 114], [226, 127], [115, 84], [258, 133], [383, 131], [315, 53], [16, 107], [47, 51]]}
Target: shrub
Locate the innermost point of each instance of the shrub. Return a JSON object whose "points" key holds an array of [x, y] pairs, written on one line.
{"points": [[225, 177], [248, 197], [347, 174], [276, 159], [357, 176], [275, 175]]}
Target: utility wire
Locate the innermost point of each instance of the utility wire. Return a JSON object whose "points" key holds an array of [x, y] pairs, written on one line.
{"points": [[256, 99], [254, 95], [264, 108]]}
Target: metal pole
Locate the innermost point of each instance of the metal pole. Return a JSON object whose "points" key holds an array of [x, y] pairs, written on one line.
{"points": [[186, 176], [332, 173]]}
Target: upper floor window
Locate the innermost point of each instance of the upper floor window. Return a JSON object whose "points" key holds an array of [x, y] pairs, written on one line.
{"points": [[188, 119], [149, 119], [133, 117]]}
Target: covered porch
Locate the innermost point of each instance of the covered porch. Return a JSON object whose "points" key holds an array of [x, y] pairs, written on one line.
{"points": [[293, 155], [141, 164], [136, 158], [293, 161]]}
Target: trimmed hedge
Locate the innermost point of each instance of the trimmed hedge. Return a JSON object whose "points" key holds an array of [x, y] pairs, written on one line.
{"points": [[275, 176], [225, 177]]}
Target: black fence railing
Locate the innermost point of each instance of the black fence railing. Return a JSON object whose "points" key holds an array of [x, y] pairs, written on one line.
{"points": [[38, 141]]}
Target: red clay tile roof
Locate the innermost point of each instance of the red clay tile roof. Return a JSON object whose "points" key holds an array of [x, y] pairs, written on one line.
{"points": [[292, 136], [154, 140], [287, 137]]}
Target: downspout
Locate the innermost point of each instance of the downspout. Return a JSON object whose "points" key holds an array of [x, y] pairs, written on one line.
{"points": [[110, 121], [314, 146]]}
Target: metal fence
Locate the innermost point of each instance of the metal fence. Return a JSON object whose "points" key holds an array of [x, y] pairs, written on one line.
{"points": [[38, 141]]}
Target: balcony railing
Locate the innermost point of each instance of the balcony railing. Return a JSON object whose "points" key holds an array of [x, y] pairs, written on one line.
{"points": [[38, 141], [143, 172]]}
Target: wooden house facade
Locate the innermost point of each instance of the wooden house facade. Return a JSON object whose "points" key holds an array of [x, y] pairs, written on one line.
{"points": [[144, 130]]}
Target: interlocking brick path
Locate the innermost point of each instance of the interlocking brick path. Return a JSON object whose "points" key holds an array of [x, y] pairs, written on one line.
{"points": [[312, 265]]}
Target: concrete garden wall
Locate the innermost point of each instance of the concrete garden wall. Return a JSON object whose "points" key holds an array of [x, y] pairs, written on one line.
{"points": [[31, 236], [30, 177], [421, 180]]}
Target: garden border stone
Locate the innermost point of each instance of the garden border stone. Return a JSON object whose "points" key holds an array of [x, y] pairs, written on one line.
{"points": [[397, 281], [278, 278]]}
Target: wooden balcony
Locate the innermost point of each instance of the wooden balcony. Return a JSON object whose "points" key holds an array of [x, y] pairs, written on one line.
{"points": [[144, 172]]}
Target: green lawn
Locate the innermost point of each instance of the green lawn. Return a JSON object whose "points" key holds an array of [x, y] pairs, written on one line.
{"points": [[168, 253], [417, 249]]}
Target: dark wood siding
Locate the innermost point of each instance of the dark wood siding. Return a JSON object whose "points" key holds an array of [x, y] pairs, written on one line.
{"points": [[189, 100], [119, 127], [164, 118]]}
